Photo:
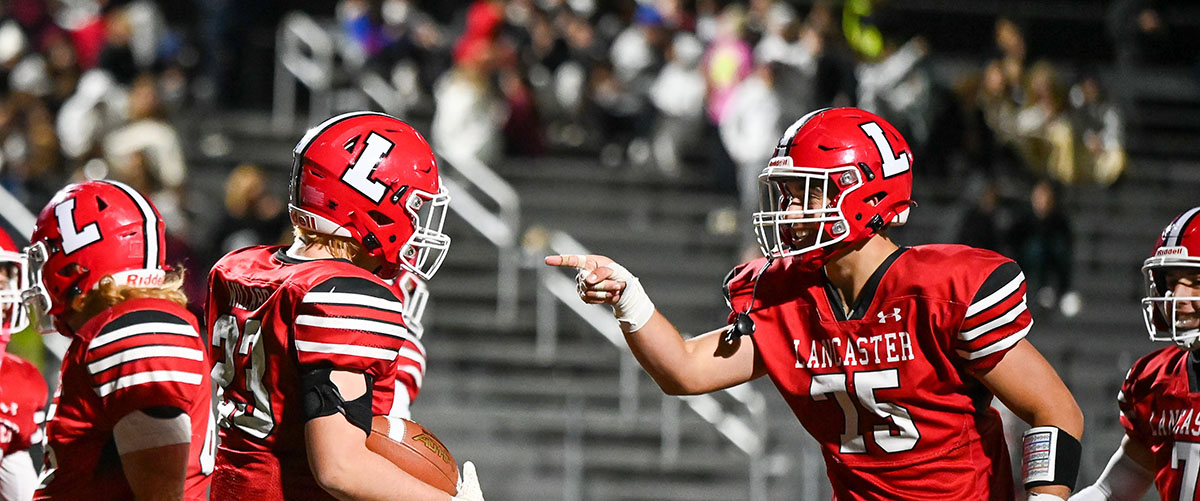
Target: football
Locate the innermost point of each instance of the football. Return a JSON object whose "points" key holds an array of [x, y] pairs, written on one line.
{"points": [[415, 450]]}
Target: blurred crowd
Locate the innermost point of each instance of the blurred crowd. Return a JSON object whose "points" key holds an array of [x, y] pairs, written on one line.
{"points": [[671, 88]]}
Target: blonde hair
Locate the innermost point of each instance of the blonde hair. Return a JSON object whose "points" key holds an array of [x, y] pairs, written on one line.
{"points": [[341, 247], [108, 293]]}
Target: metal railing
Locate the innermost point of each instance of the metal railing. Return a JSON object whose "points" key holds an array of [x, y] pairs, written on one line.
{"points": [[464, 175], [737, 413], [304, 55]]}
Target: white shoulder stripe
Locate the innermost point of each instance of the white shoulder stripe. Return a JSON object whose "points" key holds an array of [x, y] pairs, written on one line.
{"points": [[353, 350], [143, 328], [416, 342], [385, 328], [416, 374], [411, 354], [353, 299], [997, 296], [148, 377], [143, 352], [997, 346], [995, 323]]}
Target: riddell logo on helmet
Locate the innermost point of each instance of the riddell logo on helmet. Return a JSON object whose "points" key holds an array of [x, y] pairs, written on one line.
{"points": [[143, 280], [1171, 251], [140, 278], [303, 220]]}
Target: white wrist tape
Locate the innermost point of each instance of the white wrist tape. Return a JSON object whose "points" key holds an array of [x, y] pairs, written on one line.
{"points": [[1042, 496], [1050, 456], [634, 308], [139, 431]]}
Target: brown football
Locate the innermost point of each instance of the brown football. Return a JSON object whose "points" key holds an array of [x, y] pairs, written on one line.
{"points": [[415, 450]]}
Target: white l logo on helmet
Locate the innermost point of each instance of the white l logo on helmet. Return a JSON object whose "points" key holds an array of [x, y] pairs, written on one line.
{"points": [[73, 239]]}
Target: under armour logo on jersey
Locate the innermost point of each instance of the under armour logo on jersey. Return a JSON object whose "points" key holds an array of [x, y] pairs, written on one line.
{"points": [[894, 315]]}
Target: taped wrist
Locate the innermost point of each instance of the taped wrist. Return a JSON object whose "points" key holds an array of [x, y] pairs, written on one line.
{"points": [[322, 398], [634, 308], [1050, 456]]}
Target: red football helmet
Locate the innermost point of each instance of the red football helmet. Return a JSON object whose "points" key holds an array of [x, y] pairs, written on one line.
{"points": [[1178, 247], [372, 178], [852, 173], [89, 231], [13, 277]]}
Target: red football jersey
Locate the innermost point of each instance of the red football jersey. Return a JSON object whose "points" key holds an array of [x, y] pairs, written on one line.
{"points": [[887, 390], [272, 317], [138, 354], [1160, 407], [23, 393]]}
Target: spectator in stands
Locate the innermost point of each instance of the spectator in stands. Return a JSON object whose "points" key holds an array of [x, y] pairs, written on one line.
{"points": [[30, 163], [752, 120], [980, 225], [1139, 34], [1046, 138], [1043, 242], [1011, 49], [396, 41], [254, 215], [148, 131], [678, 98], [1102, 154], [727, 61], [62, 70], [469, 113]]}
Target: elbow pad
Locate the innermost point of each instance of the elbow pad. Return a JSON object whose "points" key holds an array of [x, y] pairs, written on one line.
{"points": [[322, 398]]}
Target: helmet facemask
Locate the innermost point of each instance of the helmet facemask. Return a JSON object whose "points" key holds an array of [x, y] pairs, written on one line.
{"points": [[34, 296], [426, 248], [13, 282], [1161, 306], [415, 295], [792, 222]]}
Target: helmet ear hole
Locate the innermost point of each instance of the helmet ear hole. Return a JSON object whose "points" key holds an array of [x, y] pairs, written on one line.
{"points": [[380, 218]]}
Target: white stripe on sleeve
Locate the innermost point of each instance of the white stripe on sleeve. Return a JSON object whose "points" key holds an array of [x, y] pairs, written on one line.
{"points": [[359, 324], [142, 352], [143, 328], [148, 377], [997, 296], [352, 299], [997, 346], [995, 323], [345, 349]]}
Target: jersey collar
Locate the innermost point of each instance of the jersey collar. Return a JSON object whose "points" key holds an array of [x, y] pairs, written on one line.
{"points": [[868, 292]]}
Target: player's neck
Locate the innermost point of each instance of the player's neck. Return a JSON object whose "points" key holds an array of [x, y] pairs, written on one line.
{"points": [[849, 273]]}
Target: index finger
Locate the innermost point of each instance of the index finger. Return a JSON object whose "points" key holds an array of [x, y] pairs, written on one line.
{"points": [[572, 261]]}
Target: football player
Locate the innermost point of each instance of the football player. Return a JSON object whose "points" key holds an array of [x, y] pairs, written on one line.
{"points": [[889, 356], [1158, 400], [133, 413], [311, 342], [23, 392]]}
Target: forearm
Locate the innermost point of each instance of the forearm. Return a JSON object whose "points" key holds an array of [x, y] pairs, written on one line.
{"points": [[344, 467], [157, 473], [662, 352]]}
